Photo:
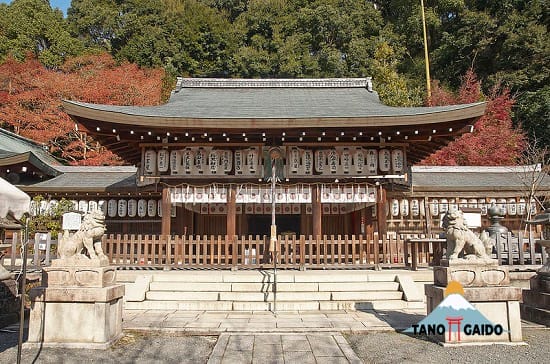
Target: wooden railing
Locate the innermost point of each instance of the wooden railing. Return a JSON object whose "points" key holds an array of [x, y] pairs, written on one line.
{"points": [[293, 252]]}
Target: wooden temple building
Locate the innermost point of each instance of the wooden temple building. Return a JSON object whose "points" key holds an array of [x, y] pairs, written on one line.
{"points": [[200, 164]]}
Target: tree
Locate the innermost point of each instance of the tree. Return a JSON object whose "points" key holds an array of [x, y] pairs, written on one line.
{"points": [[33, 26], [31, 94], [494, 140]]}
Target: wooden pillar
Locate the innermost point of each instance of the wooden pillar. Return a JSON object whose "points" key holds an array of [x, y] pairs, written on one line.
{"points": [[316, 211], [231, 212], [381, 211], [166, 211]]}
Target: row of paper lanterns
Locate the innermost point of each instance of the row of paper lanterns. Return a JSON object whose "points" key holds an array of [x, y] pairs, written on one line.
{"points": [[212, 161], [415, 207], [111, 208]]}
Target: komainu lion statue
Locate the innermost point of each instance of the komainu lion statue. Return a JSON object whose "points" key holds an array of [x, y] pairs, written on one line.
{"points": [[461, 238], [87, 237]]}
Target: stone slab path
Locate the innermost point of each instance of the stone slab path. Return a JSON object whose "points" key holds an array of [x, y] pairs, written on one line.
{"points": [[217, 322], [283, 348]]}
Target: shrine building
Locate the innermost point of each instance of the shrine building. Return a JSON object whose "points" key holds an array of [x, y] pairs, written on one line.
{"points": [[204, 159]]}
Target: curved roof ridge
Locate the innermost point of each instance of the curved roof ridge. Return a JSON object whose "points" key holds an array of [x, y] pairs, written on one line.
{"points": [[363, 82]]}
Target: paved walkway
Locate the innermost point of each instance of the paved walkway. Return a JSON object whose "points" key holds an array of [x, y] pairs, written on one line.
{"points": [[264, 337], [216, 322], [283, 348]]}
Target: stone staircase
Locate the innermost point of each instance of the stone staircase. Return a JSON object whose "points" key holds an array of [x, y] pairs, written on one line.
{"points": [[253, 290]]}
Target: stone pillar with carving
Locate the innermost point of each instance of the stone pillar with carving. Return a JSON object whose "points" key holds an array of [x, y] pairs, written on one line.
{"points": [[79, 303], [486, 284]]}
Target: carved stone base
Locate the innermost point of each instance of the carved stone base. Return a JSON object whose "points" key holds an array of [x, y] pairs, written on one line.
{"points": [[77, 307], [471, 274], [75, 276], [500, 305]]}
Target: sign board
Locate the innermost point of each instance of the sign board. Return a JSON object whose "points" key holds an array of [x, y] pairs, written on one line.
{"points": [[71, 221]]}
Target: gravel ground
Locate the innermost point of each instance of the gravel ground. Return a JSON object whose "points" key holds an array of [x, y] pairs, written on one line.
{"points": [[134, 347], [393, 347]]}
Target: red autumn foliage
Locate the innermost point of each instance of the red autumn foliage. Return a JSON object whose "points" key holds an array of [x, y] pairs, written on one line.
{"points": [[31, 95], [494, 141]]}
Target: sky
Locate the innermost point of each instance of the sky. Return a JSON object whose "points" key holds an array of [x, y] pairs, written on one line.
{"points": [[61, 4]]}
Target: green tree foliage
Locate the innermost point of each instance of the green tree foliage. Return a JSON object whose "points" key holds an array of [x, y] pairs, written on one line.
{"points": [[51, 219], [32, 26]]}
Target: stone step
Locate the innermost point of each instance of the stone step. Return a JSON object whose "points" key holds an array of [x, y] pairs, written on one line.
{"points": [[281, 286], [268, 277], [268, 296], [268, 306], [536, 299], [182, 296], [371, 305], [535, 314], [367, 296]]}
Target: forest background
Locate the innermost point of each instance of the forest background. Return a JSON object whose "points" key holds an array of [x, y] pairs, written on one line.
{"points": [[129, 53]]}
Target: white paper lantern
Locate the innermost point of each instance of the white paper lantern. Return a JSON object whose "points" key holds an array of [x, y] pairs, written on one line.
{"points": [[74, 205], [415, 207], [200, 160], [394, 207], [102, 205], [398, 160], [472, 203], [294, 160], [512, 207], [151, 208], [187, 160], [372, 161], [404, 207], [521, 206], [384, 160], [308, 161], [122, 208], [213, 161], [226, 160], [346, 161], [175, 162], [453, 206], [443, 206], [92, 206], [333, 161], [482, 204], [502, 203], [463, 203], [252, 160], [238, 162], [150, 161], [422, 208], [320, 161], [159, 208], [52, 204], [162, 160], [359, 160], [83, 206], [132, 208], [434, 208], [142, 208], [112, 207]]}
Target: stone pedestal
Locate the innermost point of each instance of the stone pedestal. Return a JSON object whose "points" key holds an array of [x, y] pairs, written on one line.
{"points": [[77, 306], [536, 301], [487, 287]]}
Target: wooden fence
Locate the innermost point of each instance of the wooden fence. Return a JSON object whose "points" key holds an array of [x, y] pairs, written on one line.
{"points": [[345, 252]]}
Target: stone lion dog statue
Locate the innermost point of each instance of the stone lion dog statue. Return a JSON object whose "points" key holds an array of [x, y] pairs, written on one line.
{"points": [[87, 238], [461, 238]]}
